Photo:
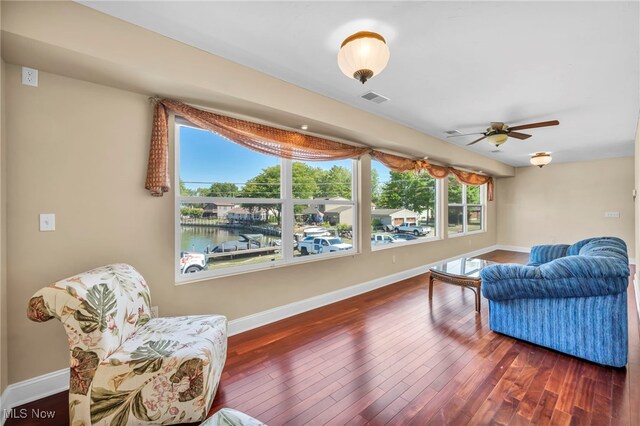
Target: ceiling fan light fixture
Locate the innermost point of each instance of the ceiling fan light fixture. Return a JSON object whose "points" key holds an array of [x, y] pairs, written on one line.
{"points": [[541, 159], [363, 55], [497, 139]]}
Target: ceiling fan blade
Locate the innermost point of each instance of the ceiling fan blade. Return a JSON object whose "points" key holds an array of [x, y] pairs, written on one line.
{"points": [[477, 140], [497, 125], [518, 135], [466, 134], [534, 125]]}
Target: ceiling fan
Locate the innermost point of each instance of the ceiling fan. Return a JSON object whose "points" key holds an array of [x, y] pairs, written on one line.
{"points": [[499, 132]]}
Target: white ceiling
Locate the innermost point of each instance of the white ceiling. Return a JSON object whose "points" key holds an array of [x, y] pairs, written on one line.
{"points": [[454, 65]]}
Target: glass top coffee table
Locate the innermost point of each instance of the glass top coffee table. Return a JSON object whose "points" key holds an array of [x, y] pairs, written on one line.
{"points": [[463, 272]]}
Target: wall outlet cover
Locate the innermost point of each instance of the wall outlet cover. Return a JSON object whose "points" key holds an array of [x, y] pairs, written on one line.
{"points": [[29, 77]]}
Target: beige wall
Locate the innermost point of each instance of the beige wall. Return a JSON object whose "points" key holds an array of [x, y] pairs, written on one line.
{"points": [[3, 241], [79, 150], [563, 203]]}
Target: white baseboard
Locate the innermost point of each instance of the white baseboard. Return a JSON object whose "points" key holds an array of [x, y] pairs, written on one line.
{"points": [[30, 390], [49, 384], [259, 319], [513, 248]]}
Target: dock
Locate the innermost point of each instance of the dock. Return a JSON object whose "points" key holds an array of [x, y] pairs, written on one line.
{"points": [[243, 252]]}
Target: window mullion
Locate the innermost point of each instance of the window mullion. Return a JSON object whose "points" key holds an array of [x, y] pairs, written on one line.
{"points": [[286, 193], [440, 205], [176, 200], [464, 208]]}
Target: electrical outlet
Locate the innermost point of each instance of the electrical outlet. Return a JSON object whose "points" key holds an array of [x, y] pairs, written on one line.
{"points": [[47, 222], [393, 259], [29, 77], [154, 312]]}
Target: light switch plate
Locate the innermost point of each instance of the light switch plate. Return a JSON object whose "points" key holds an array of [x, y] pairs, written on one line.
{"points": [[47, 222], [612, 214]]}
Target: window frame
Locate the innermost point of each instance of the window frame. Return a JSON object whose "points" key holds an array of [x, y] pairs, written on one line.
{"points": [[438, 225], [465, 205], [287, 202]]}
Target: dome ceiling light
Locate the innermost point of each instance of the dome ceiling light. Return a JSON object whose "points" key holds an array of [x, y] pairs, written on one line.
{"points": [[541, 159], [363, 55], [497, 139]]}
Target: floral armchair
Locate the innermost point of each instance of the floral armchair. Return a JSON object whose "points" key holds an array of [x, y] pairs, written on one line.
{"points": [[127, 368]]}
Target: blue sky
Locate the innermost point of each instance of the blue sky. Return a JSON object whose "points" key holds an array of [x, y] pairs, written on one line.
{"points": [[207, 157]]}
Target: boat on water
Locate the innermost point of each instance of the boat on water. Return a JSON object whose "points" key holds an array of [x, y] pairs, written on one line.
{"points": [[316, 232], [246, 241]]}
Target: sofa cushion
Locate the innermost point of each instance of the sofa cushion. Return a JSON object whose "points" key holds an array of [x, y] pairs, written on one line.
{"points": [[605, 248], [574, 249], [599, 268], [573, 276], [546, 253], [163, 372]]}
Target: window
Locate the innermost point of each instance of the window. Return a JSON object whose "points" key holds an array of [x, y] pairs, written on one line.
{"points": [[404, 206], [238, 210], [465, 207]]}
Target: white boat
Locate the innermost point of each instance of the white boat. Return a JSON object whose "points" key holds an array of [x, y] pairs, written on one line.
{"points": [[316, 232]]}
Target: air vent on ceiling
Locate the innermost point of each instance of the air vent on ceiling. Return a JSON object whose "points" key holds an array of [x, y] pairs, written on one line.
{"points": [[496, 151], [374, 97], [453, 132]]}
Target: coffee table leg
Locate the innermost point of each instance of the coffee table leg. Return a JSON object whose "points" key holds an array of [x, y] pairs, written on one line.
{"points": [[430, 286], [478, 300]]}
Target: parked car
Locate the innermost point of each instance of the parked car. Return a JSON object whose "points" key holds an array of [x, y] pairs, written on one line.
{"points": [[246, 241], [412, 228], [378, 239], [315, 245], [191, 262]]}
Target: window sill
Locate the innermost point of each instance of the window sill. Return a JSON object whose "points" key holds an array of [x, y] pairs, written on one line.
{"points": [[466, 234], [408, 243], [213, 275]]}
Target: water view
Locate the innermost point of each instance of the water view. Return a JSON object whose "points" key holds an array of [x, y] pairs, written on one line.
{"points": [[199, 238]]}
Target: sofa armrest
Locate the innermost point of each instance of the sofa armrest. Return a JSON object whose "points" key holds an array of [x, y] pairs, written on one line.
{"points": [[574, 276], [546, 253]]}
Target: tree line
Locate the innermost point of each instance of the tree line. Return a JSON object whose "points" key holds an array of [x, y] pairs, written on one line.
{"points": [[403, 190]]}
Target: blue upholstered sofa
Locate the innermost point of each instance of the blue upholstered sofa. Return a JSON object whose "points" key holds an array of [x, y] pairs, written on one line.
{"points": [[571, 298]]}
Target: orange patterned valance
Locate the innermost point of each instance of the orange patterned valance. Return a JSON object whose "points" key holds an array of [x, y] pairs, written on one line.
{"points": [[401, 164], [273, 141]]}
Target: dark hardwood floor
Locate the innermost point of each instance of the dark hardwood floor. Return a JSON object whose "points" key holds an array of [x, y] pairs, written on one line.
{"points": [[391, 357]]}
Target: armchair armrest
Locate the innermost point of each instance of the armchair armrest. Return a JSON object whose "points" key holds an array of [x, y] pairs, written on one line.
{"points": [[547, 253], [577, 276]]}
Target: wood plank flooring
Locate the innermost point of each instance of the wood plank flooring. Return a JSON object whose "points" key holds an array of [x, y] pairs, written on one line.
{"points": [[391, 357]]}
